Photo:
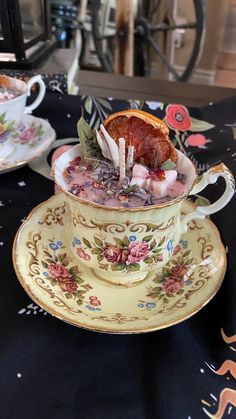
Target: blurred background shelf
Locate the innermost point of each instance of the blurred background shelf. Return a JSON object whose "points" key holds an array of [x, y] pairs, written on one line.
{"points": [[172, 40], [99, 84]]}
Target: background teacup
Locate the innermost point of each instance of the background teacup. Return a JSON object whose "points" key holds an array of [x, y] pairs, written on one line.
{"points": [[12, 110], [121, 245]]}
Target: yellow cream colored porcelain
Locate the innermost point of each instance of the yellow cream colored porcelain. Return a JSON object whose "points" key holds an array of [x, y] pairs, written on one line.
{"points": [[49, 268], [123, 245]]}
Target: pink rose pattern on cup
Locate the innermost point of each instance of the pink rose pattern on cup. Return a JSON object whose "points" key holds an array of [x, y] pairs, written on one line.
{"points": [[124, 254], [138, 251], [174, 279]]}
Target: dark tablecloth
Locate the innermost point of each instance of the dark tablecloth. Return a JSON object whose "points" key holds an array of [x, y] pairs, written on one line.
{"points": [[53, 370]]}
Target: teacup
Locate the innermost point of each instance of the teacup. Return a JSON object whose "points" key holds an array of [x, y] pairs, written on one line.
{"points": [[12, 110], [122, 245]]}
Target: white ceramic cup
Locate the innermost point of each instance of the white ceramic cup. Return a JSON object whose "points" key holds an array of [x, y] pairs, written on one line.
{"points": [[13, 110]]}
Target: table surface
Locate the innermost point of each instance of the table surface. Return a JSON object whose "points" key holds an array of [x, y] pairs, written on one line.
{"points": [[92, 83], [51, 369]]}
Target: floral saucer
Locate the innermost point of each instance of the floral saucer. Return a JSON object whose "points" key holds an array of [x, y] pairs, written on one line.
{"points": [[22, 143], [56, 280]]}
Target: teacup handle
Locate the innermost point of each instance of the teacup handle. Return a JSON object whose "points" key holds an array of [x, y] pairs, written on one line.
{"points": [[42, 89], [209, 177]]}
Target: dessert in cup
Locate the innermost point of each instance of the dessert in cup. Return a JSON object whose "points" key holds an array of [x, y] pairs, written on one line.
{"points": [[125, 185]]}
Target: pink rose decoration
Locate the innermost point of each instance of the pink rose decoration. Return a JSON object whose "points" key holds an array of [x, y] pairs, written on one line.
{"points": [[178, 271], [197, 140], [82, 254], [114, 254], [27, 134], [137, 251], [59, 271], [170, 286], [94, 301], [69, 286]]}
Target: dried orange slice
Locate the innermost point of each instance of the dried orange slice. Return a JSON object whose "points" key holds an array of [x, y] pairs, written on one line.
{"points": [[148, 134]]}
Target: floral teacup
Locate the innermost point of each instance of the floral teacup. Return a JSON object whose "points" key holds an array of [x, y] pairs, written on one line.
{"points": [[122, 245], [12, 110]]}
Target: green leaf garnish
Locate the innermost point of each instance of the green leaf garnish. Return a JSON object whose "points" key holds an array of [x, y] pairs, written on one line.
{"points": [[168, 165], [88, 141]]}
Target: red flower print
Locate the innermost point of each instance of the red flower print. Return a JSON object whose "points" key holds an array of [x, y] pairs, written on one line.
{"points": [[59, 271], [171, 286], [178, 271], [176, 249], [177, 117], [69, 286], [138, 251], [82, 254], [94, 301], [197, 140]]}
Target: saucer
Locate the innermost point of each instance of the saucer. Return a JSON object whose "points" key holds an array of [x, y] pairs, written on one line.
{"points": [[56, 280], [22, 143]]}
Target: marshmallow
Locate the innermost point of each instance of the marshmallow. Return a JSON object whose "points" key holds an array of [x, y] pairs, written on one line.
{"points": [[159, 188], [140, 171], [138, 181]]}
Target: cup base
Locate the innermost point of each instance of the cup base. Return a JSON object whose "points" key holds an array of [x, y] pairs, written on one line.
{"points": [[121, 282]]}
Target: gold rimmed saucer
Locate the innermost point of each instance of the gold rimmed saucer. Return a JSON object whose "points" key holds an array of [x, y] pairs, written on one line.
{"points": [[57, 281]]}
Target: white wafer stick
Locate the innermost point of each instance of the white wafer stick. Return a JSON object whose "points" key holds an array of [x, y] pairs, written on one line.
{"points": [[130, 157], [122, 158]]}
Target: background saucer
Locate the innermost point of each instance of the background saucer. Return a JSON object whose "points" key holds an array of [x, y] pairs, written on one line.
{"points": [[23, 143], [72, 292]]}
